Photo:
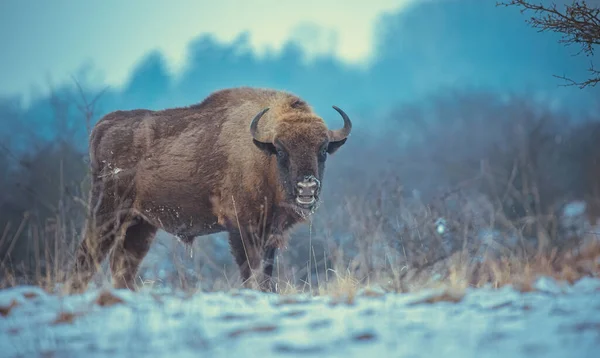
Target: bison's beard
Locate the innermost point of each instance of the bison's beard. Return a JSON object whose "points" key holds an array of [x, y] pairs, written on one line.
{"points": [[303, 211], [303, 207]]}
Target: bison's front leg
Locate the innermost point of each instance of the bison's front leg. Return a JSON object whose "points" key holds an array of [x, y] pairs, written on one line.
{"points": [[269, 262], [249, 254]]}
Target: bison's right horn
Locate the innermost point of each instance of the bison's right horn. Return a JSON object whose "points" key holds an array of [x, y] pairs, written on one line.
{"points": [[254, 125], [342, 133]]}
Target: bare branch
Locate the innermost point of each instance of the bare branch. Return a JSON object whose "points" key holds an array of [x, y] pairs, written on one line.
{"points": [[579, 24], [88, 106]]}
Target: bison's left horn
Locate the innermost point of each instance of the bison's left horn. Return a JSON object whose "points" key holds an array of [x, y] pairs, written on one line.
{"points": [[340, 134], [254, 125]]}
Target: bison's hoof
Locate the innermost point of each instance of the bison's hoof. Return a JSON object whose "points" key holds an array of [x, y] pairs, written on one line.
{"points": [[269, 286]]}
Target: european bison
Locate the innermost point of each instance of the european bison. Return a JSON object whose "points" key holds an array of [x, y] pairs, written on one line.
{"points": [[247, 161]]}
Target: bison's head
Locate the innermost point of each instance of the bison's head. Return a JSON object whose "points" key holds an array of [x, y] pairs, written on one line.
{"points": [[300, 142]]}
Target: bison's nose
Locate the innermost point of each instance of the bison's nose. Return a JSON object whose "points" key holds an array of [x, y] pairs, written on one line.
{"points": [[308, 186]]}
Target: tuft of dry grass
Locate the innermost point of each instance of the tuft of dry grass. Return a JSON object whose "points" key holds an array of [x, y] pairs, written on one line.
{"points": [[568, 266], [65, 317], [106, 298], [5, 310]]}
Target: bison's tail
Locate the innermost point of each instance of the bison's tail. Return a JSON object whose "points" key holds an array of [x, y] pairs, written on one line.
{"points": [[94, 144]]}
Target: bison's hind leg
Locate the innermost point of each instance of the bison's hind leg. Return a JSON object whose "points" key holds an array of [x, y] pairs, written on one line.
{"points": [[130, 251], [99, 238]]}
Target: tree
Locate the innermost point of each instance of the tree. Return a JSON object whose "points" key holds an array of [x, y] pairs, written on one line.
{"points": [[578, 22]]}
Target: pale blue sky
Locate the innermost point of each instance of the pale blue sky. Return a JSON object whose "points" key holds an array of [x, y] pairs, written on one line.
{"points": [[41, 38]]}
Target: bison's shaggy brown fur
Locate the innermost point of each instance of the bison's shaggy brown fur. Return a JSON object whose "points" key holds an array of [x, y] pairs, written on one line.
{"points": [[247, 161]]}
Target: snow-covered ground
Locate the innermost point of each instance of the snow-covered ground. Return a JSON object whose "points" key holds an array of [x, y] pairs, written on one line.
{"points": [[553, 321]]}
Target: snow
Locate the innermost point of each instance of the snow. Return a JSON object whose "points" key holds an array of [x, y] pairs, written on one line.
{"points": [[574, 208], [440, 225], [555, 320]]}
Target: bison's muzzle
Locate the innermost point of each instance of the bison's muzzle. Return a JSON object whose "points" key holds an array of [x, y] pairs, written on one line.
{"points": [[307, 191]]}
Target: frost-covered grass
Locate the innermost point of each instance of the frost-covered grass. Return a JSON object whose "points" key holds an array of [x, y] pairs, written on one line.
{"points": [[462, 306], [553, 320]]}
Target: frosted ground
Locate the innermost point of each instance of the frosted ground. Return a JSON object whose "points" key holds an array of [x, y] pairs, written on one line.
{"points": [[554, 320]]}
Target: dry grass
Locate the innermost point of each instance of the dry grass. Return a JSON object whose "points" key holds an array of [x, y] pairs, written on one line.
{"points": [[51, 252], [344, 270]]}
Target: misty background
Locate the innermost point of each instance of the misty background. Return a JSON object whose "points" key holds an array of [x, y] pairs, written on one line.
{"points": [[457, 114]]}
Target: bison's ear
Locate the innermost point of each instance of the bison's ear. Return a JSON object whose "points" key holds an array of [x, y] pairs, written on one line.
{"points": [[268, 148], [333, 146]]}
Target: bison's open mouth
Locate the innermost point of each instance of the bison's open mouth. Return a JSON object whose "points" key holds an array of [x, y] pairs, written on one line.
{"points": [[306, 200]]}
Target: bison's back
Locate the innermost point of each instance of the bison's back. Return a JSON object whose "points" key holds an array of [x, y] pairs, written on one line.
{"points": [[123, 137]]}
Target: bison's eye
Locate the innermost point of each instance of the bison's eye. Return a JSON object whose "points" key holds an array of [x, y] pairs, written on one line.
{"points": [[280, 153], [323, 153]]}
